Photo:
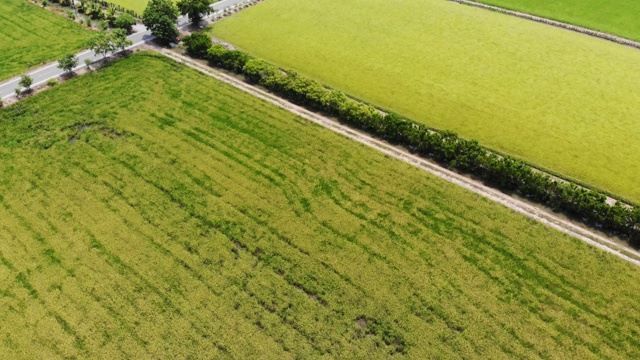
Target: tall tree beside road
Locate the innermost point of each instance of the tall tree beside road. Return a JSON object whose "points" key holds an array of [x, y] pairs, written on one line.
{"points": [[101, 44], [119, 39], [160, 17], [195, 9], [106, 42], [68, 62], [26, 81]]}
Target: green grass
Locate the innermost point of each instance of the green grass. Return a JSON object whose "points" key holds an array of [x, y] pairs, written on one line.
{"points": [[187, 219], [618, 17], [558, 99], [135, 5], [31, 36]]}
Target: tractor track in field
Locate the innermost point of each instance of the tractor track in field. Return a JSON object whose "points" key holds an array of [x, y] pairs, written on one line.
{"points": [[537, 213], [566, 26]]}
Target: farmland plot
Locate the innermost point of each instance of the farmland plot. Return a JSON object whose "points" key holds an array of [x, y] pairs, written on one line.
{"points": [[558, 99], [187, 219], [618, 17], [30, 36], [135, 5]]}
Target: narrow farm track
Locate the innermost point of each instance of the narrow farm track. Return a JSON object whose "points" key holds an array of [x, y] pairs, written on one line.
{"points": [[542, 215], [579, 29]]}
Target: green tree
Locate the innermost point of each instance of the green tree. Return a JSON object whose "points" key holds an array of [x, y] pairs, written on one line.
{"points": [[160, 17], [125, 21], [26, 81], [101, 44], [197, 44], [118, 38], [68, 62], [195, 9], [105, 42]]}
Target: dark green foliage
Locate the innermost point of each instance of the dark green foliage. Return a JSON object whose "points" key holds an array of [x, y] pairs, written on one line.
{"points": [[68, 62], [197, 44], [125, 21], [160, 17], [503, 172], [233, 60], [389, 336], [105, 42], [25, 81], [94, 10], [195, 9]]}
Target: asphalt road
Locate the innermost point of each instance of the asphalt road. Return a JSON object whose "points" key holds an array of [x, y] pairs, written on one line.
{"points": [[43, 74]]}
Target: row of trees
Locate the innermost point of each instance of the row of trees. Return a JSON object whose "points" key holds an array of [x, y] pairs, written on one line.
{"points": [[160, 16], [503, 172], [103, 43]]}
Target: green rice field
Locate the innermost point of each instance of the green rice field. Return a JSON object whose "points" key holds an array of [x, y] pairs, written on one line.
{"points": [[186, 219], [135, 5], [618, 17], [31, 36], [558, 99]]}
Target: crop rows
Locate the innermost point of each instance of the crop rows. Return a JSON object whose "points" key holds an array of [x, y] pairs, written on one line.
{"points": [[30, 36], [195, 221], [557, 99]]}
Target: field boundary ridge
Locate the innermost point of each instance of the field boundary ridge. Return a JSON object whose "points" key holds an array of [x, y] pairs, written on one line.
{"points": [[575, 28], [536, 213]]}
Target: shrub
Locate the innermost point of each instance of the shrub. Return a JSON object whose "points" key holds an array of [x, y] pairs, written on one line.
{"points": [[25, 81], [125, 21], [52, 82], [445, 147], [233, 60], [197, 44], [103, 25]]}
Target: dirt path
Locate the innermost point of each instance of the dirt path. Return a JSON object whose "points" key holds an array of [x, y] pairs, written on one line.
{"points": [[542, 215], [590, 32]]}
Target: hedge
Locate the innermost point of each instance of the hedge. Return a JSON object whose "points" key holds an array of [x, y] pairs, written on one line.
{"points": [[447, 148]]}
